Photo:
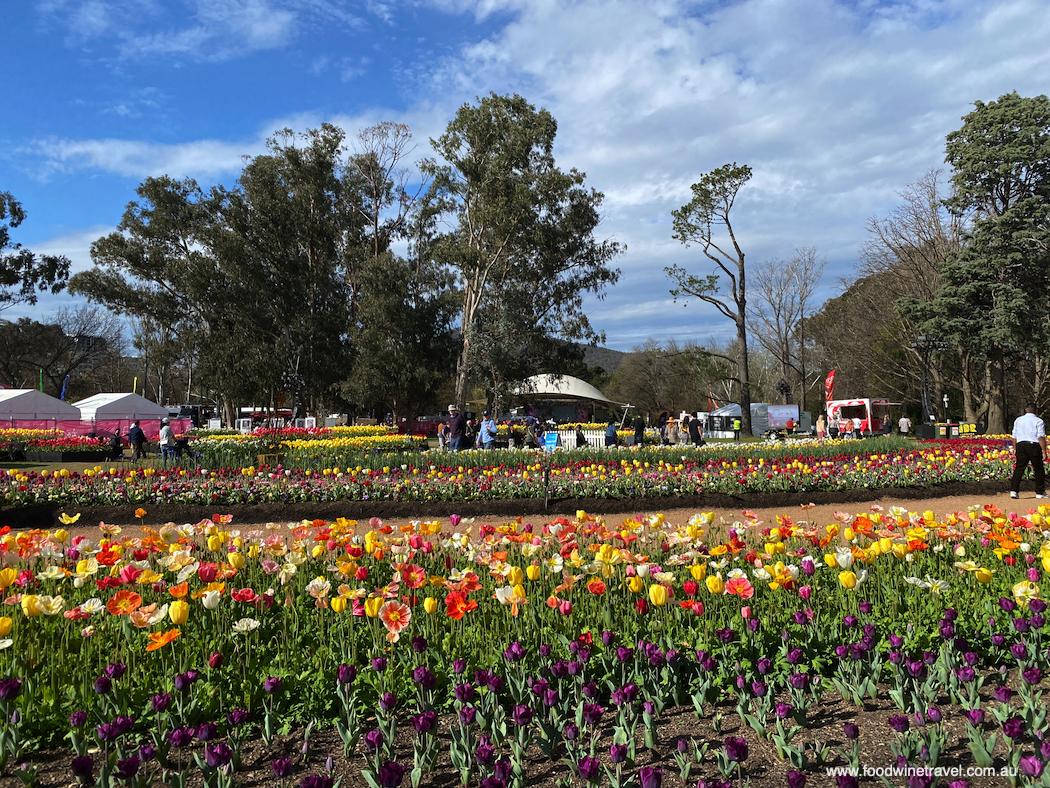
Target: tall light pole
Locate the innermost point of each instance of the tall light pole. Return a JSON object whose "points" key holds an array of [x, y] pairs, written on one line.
{"points": [[946, 419], [926, 345]]}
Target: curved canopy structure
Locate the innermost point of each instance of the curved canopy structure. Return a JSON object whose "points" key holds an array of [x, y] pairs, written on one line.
{"points": [[120, 406], [561, 387], [33, 405]]}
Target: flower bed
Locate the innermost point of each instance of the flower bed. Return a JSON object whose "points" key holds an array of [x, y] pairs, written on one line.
{"points": [[515, 651], [473, 476]]}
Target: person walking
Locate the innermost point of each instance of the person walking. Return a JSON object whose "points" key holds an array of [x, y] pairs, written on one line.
{"points": [[696, 434], [167, 441], [610, 433], [904, 425], [737, 424], [457, 429], [137, 439], [488, 432], [671, 432], [822, 428], [1029, 449], [639, 430]]}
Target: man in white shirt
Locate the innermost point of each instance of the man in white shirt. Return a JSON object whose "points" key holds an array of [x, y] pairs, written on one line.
{"points": [[904, 425], [1029, 448], [167, 441]]}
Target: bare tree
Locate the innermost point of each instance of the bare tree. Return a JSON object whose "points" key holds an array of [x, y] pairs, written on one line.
{"points": [[782, 297]]}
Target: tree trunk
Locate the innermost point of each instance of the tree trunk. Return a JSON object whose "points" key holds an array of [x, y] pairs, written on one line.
{"points": [[743, 372], [996, 394]]}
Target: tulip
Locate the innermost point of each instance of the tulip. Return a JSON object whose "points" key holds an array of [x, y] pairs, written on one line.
{"points": [[649, 777], [736, 749], [338, 604], [635, 584], [179, 611], [211, 599], [658, 595], [5, 626], [430, 605], [533, 572], [236, 560], [848, 580], [515, 576], [715, 584], [372, 606], [30, 605]]}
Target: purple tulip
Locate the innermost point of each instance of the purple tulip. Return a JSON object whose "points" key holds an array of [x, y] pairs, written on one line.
{"points": [[282, 767], [485, 753], [648, 707], [183, 681], [83, 767], [849, 621], [736, 749], [754, 624], [799, 681], [764, 665], [419, 644], [864, 606], [374, 740], [965, 674], [1018, 650], [649, 777], [345, 674], [102, 686], [1021, 625], [235, 718], [800, 618], [207, 731], [423, 677], [608, 638], [180, 737], [896, 641], [851, 730], [759, 688], [147, 752], [588, 768], [458, 666], [514, 652], [77, 719], [160, 702], [545, 650], [1007, 605], [618, 753], [899, 723], [1002, 694], [784, 710], [107, 732], [846, 781], [796, 779], [522, 715], [974, 716], [495, 684], [115, 670], [998, 640], [464, 692], [571, 732], [379, 664], [424, 722], [127, 768], [1032, 675], [387, 701], [795, 656], [272, 685], [933, 714], [725, 635], [592, 713], [467, 715], [1031, 766], [589, 690], [218, 755], [1013, 728], [390, 775]]}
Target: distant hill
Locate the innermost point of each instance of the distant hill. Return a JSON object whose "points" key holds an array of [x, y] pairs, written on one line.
{"points": [[603, 357]]}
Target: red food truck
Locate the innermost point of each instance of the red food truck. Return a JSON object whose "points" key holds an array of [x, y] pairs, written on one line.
{"points": [[872, 413]]}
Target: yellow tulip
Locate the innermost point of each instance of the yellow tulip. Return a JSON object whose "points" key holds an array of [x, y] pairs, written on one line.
{"points": [[318, 551], [5, 626], [430, 605], [339, 604], [699, 572], [715, 584], [515, 577], [533, 572], [1046, 562], [635, 584], [983, 575], [372, 605], [658, 594], [179, 612], [253, 551], [61, 535], [519, 590], [30, 606], [7, 577], [236, 560], [215, 543], [848, 579]]}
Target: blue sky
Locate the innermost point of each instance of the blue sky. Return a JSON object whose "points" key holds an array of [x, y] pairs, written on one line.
{"points": [[836, 106]]}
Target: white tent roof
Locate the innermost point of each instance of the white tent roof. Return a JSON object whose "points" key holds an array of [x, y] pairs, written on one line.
{"points": [[561, 387], [33, 405], [108, 407]]}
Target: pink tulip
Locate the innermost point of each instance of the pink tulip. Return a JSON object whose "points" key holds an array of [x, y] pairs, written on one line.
{"points": [[415, 541], [805, 592], [428, 547], [1033, 575], [454, 520], [565, 607], [362, 573]]}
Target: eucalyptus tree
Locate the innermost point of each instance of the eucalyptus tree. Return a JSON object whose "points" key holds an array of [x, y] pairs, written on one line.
{"points": [[518, 231], [24, 274]]}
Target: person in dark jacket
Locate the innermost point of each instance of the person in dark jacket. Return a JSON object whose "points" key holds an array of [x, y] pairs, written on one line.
{"points": [[115, 448], [639, 429], [457, 429], [695, 435], [137, 439]]}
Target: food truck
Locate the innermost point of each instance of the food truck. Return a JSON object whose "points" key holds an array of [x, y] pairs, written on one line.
{"points": [[871, 412]]}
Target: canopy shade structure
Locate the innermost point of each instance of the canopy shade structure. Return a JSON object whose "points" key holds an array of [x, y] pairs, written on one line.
{"points": [[561, 387], [120, 406], [30, 405]]}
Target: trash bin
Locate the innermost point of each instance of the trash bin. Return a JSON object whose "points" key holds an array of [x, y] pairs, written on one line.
{"points": [[941, 431]]}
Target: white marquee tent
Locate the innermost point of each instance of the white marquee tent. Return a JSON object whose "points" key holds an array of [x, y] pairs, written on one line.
{"points": [[561, 387], [34, 409], [119, 407]]}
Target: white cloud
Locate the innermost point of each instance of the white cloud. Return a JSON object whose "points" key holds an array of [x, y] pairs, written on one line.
{"points": [[137, 159]]}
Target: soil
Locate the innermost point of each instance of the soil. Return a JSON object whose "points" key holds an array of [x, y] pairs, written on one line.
{"points": [[763, 768]]}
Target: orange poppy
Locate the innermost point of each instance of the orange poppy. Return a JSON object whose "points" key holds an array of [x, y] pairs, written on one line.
{"points": [[161, 639], [596, 587], [124, 602], [179, 591], [140, 513], [222, 519], [457, 605]]}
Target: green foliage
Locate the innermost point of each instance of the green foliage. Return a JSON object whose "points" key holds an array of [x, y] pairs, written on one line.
{"points": [[23, 274]]}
